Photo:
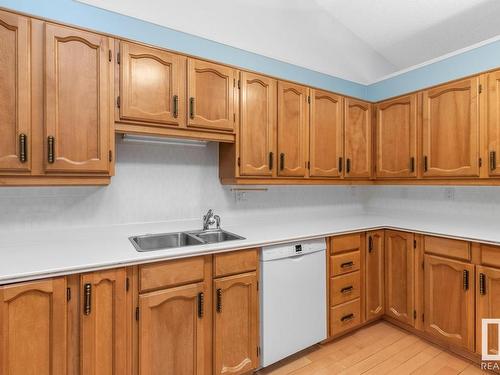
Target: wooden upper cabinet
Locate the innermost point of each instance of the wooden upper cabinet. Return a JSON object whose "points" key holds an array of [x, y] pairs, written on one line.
{"points": [[358, 138], [172, 331], [493, 122], [33, 328], [374, 275], [293, 113], [399, 289], [487, 306], [449, 300], [152, 85], [396, 137], [78, 116], [15, 106], [326, 134], [236, 324], [211, 95], [104, 349], [451, 130], [257, 137]]}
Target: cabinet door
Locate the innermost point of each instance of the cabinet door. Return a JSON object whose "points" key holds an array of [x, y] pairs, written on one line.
{"points": [[399, 293], [326, 134], [236, 327], [152, 85], [292, 129], [449, 300], [358, 138], [493, 122], [488, 307], [78, 119], [257, 125], [104, 347], [396, 137], [15, 135], [451, 129], [33, 328], [374, 275], [172, 330], [211, 91]]}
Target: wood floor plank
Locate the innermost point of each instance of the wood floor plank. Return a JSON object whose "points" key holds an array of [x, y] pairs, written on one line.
{"points": [[473, 369], [443, 363]]}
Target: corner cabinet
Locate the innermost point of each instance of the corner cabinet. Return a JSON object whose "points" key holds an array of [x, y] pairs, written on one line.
{"points": [[450, 143], [358, 138]]}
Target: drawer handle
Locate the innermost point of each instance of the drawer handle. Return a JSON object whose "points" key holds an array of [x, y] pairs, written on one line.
{"points": [[87, 290], [347, 264], [219, 300], [347, 318], [347, 289], [201, 301]]}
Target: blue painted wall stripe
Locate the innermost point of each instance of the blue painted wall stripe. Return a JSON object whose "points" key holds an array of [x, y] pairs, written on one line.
{"points": [[72, 12]]}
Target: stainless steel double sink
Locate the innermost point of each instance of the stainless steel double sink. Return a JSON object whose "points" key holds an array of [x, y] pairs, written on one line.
{"points": [[162, 241]]}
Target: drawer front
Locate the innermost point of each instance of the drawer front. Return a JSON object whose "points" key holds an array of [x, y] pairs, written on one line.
{"points": [[344, 288], [447, 248], [490, 255], [171, 273], [344, 317], [235, 262], [348, 242], [344, 263]]}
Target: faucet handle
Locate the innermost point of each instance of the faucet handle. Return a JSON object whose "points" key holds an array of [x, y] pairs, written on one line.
{"points": [[217, 220]]}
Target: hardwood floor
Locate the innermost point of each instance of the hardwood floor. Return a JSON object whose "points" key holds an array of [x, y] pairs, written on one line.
{"points": [[377, 349]]}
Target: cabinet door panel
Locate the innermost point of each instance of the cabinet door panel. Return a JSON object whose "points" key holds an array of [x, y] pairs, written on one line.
{"points": [[236, 327], [14, 93], [396, 137], [488, 306], [399, 293], [77, 110], [172, 332], [292, 129], [493, 123], [211, 90], [152, 85], [104, 346], [257, 125], [451, 129], [358, 138], [33, 328], [326, 134], [374, 279], [449, 304]]}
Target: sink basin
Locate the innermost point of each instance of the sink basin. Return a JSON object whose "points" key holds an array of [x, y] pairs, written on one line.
{"points": [[214, 236], [150, 242]]}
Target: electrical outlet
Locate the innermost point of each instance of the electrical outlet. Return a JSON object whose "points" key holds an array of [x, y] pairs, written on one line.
{"points": [[449, 194], [240, 196]]}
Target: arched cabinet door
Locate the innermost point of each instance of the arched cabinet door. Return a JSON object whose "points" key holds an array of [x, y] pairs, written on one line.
{"points": [[78, 116], [15, 107], [374, 274], [358, 138]]}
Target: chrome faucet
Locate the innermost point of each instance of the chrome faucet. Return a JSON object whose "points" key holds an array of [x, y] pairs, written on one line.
{"points": [[217, 221], [207, 219]]}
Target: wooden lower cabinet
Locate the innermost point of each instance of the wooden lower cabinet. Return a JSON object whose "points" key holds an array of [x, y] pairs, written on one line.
{"points": [[33, 338], [399, 280], [487, 306], [449, 301], [236, 324], [374, 275]]}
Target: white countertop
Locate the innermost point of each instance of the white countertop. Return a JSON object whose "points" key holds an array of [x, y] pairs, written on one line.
{"points": [[35, 255]]}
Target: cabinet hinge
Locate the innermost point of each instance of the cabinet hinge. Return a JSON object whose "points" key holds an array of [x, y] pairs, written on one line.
{"points": [[480, 88], [127, 284], [414, 244], [137, 313], [118, 57], [239, 162], [110, 155], [118, 102], [414, 314], [68, 294], [110, 56]]}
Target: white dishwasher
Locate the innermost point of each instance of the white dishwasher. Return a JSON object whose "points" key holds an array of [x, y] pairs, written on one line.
{"points": [[293, 298]]}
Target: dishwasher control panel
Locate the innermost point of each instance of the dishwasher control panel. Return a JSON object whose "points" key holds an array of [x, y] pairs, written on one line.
{"points": [[292, 249]]}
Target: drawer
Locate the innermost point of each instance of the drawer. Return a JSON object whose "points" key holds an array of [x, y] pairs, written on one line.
{"points": [[348, 242], [447, 248], [344, 263], [344, 288], [490, 255], [235, 262], [344, 317], [171, 273]]}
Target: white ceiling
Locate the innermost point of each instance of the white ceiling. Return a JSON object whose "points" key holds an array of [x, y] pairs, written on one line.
{"points": [[359, 40]]}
